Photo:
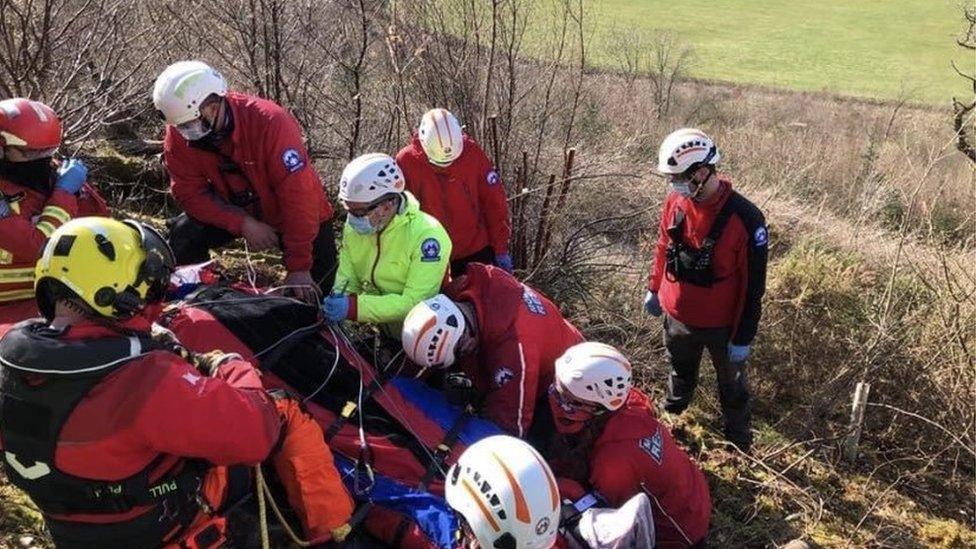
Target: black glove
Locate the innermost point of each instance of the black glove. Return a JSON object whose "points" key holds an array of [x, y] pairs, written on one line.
{"points": [[459, 389]]}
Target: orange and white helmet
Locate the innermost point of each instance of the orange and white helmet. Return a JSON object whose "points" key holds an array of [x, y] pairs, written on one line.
{"points": [[29, 124], [595, 373], [683, 149], [440, 136], [506, 493], [432, 330]]}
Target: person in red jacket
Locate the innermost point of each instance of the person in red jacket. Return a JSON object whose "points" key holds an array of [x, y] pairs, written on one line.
{"points": [[37, 194], [600, 432], [458, 184], [118, 439], [708, 277], [239, 168], [504, 336]]}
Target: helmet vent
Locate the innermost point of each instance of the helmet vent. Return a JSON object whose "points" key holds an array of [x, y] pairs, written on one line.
{"points": [[104, 246], [452, 321], [63, 247]]}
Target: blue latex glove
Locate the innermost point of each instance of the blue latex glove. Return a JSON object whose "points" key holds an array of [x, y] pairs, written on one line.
{"points": [[652, 305], [505, 262], [336, 307], [71, 176], [738, 353]]}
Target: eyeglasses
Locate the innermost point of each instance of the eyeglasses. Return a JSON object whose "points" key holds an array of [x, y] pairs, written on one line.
{"points": [[363, 212], [565, 398]]}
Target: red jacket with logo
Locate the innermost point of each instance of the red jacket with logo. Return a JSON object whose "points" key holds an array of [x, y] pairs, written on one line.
{"points": [[636, 452], [33, 217], [467, 197], [739, 266], [266, 145], [159, 404], [520, 335]]}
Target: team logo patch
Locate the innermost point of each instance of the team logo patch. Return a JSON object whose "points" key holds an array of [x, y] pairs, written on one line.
{"points": [[761, 236], [654, 446], [533, 302], [503, 376], [493, 178], [292, 160], [430, 250]]}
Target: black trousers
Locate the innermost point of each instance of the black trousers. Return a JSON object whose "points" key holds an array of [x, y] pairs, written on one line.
{"points": [[192, 240], [685, 345], [485, 255]]}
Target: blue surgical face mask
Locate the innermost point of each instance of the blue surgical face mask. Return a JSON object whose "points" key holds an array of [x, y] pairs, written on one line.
{"points": [[361, 225]]}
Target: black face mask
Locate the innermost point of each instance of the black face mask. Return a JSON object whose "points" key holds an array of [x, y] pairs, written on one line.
{"points": [[38, 174]]}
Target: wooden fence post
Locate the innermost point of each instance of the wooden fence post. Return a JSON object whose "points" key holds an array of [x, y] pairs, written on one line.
{"points": [[858, 406]]}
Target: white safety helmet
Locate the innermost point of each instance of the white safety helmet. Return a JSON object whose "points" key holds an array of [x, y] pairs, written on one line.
{"points": [[432, 330], [370, 177], [685, 148], [440, 137], [506, 493], [595, 373], [182, 87]]}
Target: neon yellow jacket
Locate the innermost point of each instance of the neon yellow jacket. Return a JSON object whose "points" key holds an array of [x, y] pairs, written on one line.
{"points": [[395, 269]]}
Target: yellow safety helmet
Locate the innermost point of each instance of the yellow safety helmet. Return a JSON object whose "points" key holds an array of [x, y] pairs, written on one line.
{"points": [[115, 267]]}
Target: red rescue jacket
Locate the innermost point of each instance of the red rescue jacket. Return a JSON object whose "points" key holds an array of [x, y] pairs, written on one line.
{"points": [[521, 334], [34, 216], [159, 405], [739, 265], [636, 452], [467, 197], [266, 145]]}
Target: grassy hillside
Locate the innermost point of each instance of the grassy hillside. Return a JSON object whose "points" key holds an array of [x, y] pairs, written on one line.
{"points": [[873, 48]]}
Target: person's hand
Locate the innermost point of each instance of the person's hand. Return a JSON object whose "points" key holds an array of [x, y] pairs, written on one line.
{"points": [[301, 285], [336, 307], [505, 262], [652, 305], [738, 353], [459, 389], [259, 236], [71, 176], [207, 363]]}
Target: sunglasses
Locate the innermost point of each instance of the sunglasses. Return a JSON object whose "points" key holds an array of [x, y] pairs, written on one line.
{"points": [[363, 212]]}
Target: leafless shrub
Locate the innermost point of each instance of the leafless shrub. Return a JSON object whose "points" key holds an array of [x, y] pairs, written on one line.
{"points": [[662, 58], [962, 118], [86, 58]]}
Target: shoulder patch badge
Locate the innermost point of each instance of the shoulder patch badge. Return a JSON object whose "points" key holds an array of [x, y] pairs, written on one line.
{"points": [[761, 236], [532, 301], [430, 250], [502, 376], [654, 446], [493, 178], [292, 160]]}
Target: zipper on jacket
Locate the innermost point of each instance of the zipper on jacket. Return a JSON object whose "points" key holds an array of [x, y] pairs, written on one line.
{"points": [[372, 272]]}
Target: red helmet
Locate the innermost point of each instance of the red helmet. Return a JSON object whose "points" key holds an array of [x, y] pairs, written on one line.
{"points": [[28, 124]]}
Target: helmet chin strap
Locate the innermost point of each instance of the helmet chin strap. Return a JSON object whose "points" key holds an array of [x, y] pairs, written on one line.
{"points": [[699, 187]]}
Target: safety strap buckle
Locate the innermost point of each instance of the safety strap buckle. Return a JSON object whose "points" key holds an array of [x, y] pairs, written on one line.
{"points": [[365, 479]]}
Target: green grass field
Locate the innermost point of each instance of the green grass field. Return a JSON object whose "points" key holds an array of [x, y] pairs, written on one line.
{"points": [[887, 49]]}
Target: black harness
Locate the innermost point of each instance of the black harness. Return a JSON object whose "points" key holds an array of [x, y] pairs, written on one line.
{"points": [[684, 262], [42, 380]]}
